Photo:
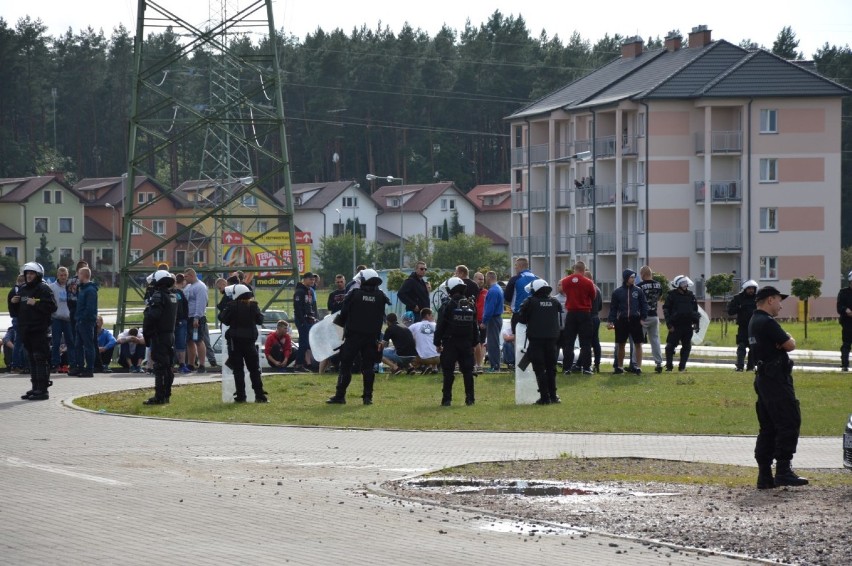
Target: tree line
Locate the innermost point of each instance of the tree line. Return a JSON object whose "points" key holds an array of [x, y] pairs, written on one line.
{"points": [[403, 104]]}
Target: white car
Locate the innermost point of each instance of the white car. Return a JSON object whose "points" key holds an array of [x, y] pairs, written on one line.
{"points": [[218, 343]]}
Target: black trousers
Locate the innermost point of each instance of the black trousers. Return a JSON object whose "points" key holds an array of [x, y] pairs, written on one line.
{"points": [[778, 416], [354, 344], [243, 354], [680, 334], [846, 340], [461, 352], [577, 324], [742, 345], [543, 353], [162, 350], [37, 345]]}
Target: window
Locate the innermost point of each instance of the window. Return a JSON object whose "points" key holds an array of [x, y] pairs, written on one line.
{"points": [[200, 257], [180, 258], [768, 219], [640, 224], [136, 228], [159, 227], [438, 231], [135, 254], [768, 121], [249, 201], [640, 124], [768, 267], [66, 225], [394, 202], [11, 251], [236, 226], [350, 202], [443, 204], [452, 204], [263, 225], [640, 173], [106, 256], [337, 229], [768, 170], [46, 195], [142, 198], [160, 256], [40, 225], [57, 197]]}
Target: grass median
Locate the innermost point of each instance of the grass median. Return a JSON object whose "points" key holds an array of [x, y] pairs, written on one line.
{"points": [[700, 401]]}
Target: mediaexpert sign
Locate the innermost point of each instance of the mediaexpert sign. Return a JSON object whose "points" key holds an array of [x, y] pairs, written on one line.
{"points": [[250, 249]]}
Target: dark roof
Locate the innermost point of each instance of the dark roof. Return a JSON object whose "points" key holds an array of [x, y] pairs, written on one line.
{"points": [[93, 230], [481, 229], [114, 193], [477, 196], [7, 233], [25, 187], [184, 235], [718, 69], [419, 196], [386, 236], [326, 193]]}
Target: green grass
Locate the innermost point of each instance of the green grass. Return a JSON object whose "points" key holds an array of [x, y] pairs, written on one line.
{"points": [[702, 401]]}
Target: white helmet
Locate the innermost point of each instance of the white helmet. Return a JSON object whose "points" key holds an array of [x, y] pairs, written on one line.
{"points": [[164, 278], [537, 285], [229, 291], [33, 266], [681, 281], [454, 282], [239, 290], [370, 276], [749, 283]]}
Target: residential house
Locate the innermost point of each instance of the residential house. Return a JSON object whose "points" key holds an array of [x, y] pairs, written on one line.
{"points": [[104, 200], [411, 210], [695, 160], [34, 206], [493, 214]]}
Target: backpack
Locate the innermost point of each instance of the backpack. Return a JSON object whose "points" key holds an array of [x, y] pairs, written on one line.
{"points": [[462, 314]]}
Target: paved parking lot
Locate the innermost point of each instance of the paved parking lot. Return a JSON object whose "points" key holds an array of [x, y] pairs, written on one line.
{"points": [[80, 487]]}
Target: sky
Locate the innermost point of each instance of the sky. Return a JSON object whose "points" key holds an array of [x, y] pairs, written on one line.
{"points": [[814, 22]]}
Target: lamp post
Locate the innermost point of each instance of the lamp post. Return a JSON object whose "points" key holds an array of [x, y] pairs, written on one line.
{"points": [[391, 179], [114, 258]]}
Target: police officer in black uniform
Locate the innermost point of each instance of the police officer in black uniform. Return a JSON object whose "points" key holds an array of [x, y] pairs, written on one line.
{"points": [[742, 306], [242, 315], [844, 310], [777, 407], [362, 316], [158, 326], [33, 305], [541, 312], [681, 312], [456, 334]]}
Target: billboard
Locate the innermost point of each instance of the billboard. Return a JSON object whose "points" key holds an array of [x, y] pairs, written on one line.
{"points": [[250, 249]]}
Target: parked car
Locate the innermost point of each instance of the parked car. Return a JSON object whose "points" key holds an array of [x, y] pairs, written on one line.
{"points": [[272, 316], [847, 444], [218, 343]]}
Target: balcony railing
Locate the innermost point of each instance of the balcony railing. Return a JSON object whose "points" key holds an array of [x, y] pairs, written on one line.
{"points": [[538, 200], [582, 145], [564, 150], [721, 141], [523, 245], [538, 245], [629, 145], [605, 146], [520, 200], [630, 193], [720, 191], [539, 153], [563, 244], [520, 245], [720, 241], [519, 156], [563, 198]]}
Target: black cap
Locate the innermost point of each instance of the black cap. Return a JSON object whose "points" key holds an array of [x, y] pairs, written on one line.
{"points": [[769, 291]]}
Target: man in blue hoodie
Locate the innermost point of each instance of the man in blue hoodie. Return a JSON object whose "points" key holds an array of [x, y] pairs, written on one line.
{"points": [[628, 308], [516, 292], [85, 317], [492, 318]]}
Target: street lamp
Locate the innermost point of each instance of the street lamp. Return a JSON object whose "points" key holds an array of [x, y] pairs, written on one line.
{"points": [[114, 258], [391, 179]]}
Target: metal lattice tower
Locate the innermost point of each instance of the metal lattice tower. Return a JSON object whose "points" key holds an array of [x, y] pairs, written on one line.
{"points": [[238, 120]]}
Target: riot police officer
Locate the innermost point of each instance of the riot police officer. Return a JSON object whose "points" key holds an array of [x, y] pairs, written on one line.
{"points": [[777, 407], [541, 313], [456, 334], [242, 315], [158, 326], [742, 306], [33, 304], [362, 316], [681, 312]]}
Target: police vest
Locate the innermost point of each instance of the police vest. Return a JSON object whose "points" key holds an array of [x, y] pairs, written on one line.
{"points": [[462, 316], [161, 313], [366, 311], [543, 320]]}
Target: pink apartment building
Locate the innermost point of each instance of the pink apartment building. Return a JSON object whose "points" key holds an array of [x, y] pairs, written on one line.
{"points": [[695, 160]]}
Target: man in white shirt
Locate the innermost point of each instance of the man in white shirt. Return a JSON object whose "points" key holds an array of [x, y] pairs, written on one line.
{"points": [[427, 355], [196, 295]]}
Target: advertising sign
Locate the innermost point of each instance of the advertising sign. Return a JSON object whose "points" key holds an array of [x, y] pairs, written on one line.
{"points": [[249, 249]]}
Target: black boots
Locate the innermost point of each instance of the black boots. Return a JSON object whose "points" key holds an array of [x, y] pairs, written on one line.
{"points": [[784, 475], [764, 476]]}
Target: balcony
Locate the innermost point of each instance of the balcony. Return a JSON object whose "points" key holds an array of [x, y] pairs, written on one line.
{"points": [[529, 245], [538, 200], [563, 244], [721, 192], [607, 240], [564, 150], [519, 201], [605, 147], [563, 198], [721, 141], [629, 145], [582, 145], [537, 154], [721, 241]]}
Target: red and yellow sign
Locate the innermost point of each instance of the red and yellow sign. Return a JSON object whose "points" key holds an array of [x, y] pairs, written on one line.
{"points": [[250, 249]]}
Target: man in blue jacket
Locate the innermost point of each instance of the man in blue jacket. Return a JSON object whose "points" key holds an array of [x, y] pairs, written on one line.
{"points": [[516, 292], [628, 308], [492, 318], [85, 318]]}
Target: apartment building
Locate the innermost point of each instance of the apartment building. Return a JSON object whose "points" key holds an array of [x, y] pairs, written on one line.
{"points": [[699, 159]]}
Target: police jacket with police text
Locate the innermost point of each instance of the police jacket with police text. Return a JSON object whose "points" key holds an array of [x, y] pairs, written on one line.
{"points": [[541, 315], [160, 314], [242, 317], [457, 322], [36, 317], [680, 308], [742, 306], [364, 310]]}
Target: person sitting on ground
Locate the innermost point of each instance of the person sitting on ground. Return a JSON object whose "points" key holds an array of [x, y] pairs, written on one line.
{"points": [[398, 358], [131, 350], [105, 343], [428, 357], [509, 347], [279, 346]]}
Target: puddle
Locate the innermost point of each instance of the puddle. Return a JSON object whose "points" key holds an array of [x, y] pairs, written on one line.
{"points": [[461, 486]]}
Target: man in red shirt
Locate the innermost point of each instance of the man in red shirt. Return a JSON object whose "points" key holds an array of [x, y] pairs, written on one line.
{"points": [[579, 296], [278, 346]]}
